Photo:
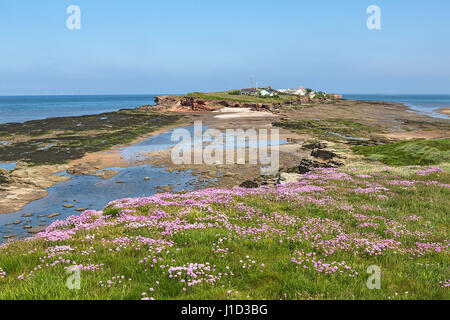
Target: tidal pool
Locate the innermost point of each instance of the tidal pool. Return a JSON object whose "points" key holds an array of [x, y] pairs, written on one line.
{"points": [[94, 193]]}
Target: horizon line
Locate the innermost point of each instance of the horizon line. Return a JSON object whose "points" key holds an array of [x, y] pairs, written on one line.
{"points": [[162, 94]]}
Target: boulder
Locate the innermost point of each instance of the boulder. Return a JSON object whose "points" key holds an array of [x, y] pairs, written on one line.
{"points": [[286, 177], [307, 165], [53, 215], [35, 230], [323, 154], [249, 184], [316, 145]]}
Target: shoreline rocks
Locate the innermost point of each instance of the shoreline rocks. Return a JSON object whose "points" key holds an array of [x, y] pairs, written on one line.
{"points": [[36, 230], [249, 184], [194, 104], [53, 215]]}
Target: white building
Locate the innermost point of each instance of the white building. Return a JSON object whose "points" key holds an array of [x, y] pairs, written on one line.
{"points": [[299, 92], [265, 92]]}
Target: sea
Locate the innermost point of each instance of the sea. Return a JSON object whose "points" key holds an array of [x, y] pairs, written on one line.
{"points": [[26, 108]]}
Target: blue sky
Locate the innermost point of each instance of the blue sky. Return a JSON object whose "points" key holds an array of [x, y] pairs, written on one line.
{"points": [[142, 46]]}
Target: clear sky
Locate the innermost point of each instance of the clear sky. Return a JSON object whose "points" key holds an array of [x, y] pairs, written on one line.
{"points": [[155, 46]]}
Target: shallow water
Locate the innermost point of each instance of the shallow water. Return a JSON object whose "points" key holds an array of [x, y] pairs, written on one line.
{"points": [[159, 142], [95, 193], [163, 141], [422, 103], [8, 165]]}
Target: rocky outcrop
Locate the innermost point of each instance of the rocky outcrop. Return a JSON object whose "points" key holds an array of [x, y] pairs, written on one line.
{"points": [[193, 104], [28, 184], [285, 177], [91, 169], [323, 154], [165, 103], [306, 165], [315, 145], [320, 158], [166, 100]]}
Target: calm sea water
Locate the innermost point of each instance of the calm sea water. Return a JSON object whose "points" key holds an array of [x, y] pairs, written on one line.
{"points": [[25, 108], [426, 104]]}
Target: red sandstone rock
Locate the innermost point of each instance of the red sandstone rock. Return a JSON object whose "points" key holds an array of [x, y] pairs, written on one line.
{"points": [[192, 104]]}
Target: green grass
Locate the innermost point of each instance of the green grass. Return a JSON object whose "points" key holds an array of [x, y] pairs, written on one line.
{"points": [[228, 229], [232, 96], [410, 152], [330, 129]]}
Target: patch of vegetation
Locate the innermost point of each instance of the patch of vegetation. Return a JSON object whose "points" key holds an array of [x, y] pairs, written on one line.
{"points": [[232, 96], [331, 129], [79, 135], [409, 152], [436, 124], [3, 178], [111, 211]]}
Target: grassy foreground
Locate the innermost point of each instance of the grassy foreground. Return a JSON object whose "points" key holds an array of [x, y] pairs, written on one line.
{"points": [[314, 239]]}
